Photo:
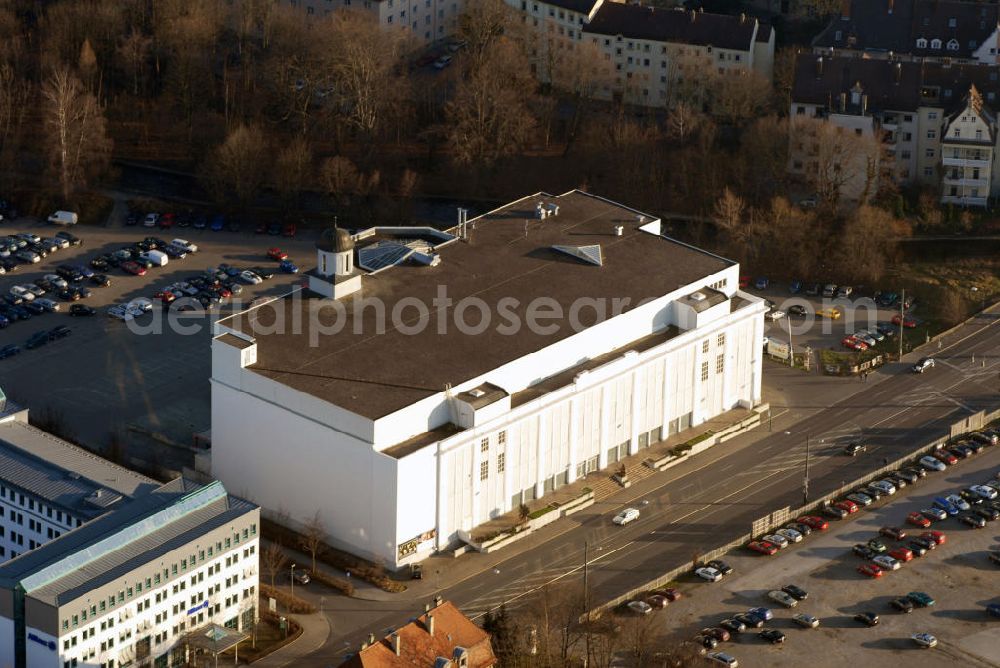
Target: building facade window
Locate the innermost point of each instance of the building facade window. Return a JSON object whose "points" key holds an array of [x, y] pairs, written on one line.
{"points": [[720, 363], [704, 371], [484, 470], [501, 462], [484, 445]]}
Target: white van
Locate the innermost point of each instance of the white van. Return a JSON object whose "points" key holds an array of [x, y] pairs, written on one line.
{"points": [[158, 258], [63, 218]]}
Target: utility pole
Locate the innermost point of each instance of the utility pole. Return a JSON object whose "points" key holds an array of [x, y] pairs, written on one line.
{"points": [[902, 317], [805, 481], [586, 602], [791, 350]]}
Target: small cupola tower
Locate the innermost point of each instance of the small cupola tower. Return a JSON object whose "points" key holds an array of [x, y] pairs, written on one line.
{"points": [[335, 275]]}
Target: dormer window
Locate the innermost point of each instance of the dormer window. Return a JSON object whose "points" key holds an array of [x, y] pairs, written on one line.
{"points": [[953, 45], [935, 44], [952, 22], [837, 36], [921, 43]]}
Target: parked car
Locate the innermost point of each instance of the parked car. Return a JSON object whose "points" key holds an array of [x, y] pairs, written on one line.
{"points": [[918, 519], [892, 532], [81, 310], [920, 599], [782, 598], [886, 563], [871, 570], [924, 640], [907, 321], [902, 604], [773, 636], [795, 592], [864, 551], [657, 602], [806, 621], [855, 448], [720, 657], [791, 535], [973, 521], [762, 547], [813, 522], [932, 463], [640, 607], [710, 574], [867, 618], [901, 554], [775, 539]]}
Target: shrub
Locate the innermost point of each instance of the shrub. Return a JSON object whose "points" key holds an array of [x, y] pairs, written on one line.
{"points": [[291, 603], [541, 511], [345, 587]]}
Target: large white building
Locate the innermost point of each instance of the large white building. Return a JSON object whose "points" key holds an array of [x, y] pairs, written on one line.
{"points": [[425, 21], [108, 568], [404, 434]]}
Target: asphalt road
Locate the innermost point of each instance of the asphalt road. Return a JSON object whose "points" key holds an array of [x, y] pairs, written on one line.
{"points": [[713, 502]]}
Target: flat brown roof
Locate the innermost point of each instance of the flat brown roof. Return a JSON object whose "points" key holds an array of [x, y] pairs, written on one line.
{"points": [[507, 254]]}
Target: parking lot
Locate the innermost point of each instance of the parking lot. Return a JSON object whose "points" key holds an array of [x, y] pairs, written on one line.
{"points": [[802, 321], [957, 575], [104, 378]]}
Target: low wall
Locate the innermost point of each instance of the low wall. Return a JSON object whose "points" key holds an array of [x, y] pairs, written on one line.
{"points": [[979, 419]]}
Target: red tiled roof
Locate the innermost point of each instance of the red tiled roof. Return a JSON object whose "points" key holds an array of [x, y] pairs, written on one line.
{"points": [[419, 648]]}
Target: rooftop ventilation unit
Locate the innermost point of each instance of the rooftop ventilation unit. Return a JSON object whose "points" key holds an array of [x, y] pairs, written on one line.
{"points": [[589, 254], [476, 392], [619, 230], [698, 297], [541, 213], [552, 209]]}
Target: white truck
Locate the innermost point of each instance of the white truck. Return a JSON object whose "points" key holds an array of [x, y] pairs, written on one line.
{"points": [[158, 258], [63, 218]]}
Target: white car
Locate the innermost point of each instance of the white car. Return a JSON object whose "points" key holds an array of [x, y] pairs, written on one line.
{"points": [[58, 242], [781, 597], [932, 463], [807, 621], [866, 337], [22, 292], [934, 514], [774, 314], [626, 516], [925, 640], [57, 280], [709, 573], [640, 607], [34, 289], [957, 501], [140, 304], [185, 288], [987, 493], [886, 563], [792, 535], [151, 220], [184, 244], [884, 486], [25, 255], [774, 539], [250, 277]]}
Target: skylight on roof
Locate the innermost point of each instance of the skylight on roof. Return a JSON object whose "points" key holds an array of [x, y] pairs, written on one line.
{"points": [[589, 254]]}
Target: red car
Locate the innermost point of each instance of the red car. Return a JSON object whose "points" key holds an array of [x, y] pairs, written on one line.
{"points": [[167, 221], [936, 536], [277, 254], [814, 522], [165, 296], [133, 268], [853, 344], [871, 570], [945, 456], [744, 281], [919, 520], [849, 506], [901, 553], [671, 594], [908, 322], [762, 546], [288, 230]]}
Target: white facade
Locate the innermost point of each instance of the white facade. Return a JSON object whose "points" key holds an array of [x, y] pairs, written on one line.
{"points": [[426, 21], [398, 487], [27, 522]]}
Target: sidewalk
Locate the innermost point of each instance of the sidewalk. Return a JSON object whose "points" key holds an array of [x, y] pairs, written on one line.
{"points": [[315, 631]]}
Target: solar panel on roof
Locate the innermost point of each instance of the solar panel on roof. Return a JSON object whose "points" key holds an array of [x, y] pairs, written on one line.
{"points": [[380, 256]]}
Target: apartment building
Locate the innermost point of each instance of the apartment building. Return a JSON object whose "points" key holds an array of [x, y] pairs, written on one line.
{"points": [[408, 436], [937, 120], [643, 53], [959, 31], [426, 21], [131, 587]]}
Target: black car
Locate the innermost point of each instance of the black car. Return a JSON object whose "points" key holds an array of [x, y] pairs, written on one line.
{"points": [[925, 543], [960, 451], [976, 446], [803, 529], [987, 513], [733, 625], [274, 229], [973, 521], [22, 313], [73, 240], [797, 310], [81, 310], [797, 593], [907, 475], [916, 548], [263, 272], [749, 621], [874, 492], [864, 551], [773, 636], [60, 332], [101, 280], [99, 264], [35, 309], [720, 566], [200, 221], [131, 220], [866, 618], [898, 480], [813, 289], [835, 512], [45, 284], [9, 351], [855, 449], [970, 497], [37, 339], [917, 471], [903, 605]]}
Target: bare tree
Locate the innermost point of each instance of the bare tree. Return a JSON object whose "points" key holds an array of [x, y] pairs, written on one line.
{"points": [[340, 178], [78, 145], [292, 169], [682, 121], [133, 53], [728, 215], [868, 241], [237, 167], [555, 614], [483, 25], [312, 537], [840, 163], [272, 561]]}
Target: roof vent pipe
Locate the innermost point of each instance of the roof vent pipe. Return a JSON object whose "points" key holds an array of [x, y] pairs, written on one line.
{"points": [[619, 230], [819, 67]]}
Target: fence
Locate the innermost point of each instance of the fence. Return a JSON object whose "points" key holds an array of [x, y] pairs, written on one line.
{"points": [[779, 517]]}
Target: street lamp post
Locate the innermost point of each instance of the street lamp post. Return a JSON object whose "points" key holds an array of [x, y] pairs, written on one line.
{"points": [[291, 579]]}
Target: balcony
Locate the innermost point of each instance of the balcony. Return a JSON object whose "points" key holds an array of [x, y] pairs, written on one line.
{"points": [[967, 182], [965, 162], [964, 201]]}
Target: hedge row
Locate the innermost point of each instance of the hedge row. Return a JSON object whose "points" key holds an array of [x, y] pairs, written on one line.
{"points": [[290, 602]]}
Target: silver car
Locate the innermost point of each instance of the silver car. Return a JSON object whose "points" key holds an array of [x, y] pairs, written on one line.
{"points": [[781, 597], [863, 335]]}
